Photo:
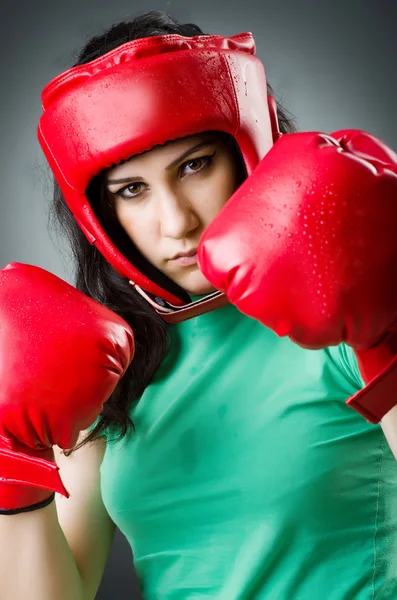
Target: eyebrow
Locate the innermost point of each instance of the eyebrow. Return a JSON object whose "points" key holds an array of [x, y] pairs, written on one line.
{"points": [[168, 168]]}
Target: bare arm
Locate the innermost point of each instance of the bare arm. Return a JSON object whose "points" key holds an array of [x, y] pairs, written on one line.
{"points": [[35, 559], [59, 551], [389, 426]]}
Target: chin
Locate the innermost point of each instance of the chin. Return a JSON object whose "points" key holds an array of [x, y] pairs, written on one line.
{"points": [[196, 284]]}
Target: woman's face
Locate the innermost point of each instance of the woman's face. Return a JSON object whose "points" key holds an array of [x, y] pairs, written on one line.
{"points": [[164, 199]]}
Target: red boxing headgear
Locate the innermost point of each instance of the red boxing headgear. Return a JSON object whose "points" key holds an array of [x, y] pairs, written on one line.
{"points": [[144, 93]]}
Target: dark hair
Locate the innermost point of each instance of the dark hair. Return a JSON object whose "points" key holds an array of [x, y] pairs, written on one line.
{"points": [[94, 276]]}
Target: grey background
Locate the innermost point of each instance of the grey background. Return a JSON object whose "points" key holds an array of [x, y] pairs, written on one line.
{"points": [[331, 62]]}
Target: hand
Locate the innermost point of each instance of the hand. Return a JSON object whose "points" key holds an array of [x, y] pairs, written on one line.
{"points": [[62, 355], [308, 245]]}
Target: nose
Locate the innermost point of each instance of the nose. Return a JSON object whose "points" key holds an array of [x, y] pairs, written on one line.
{"points": [[176, 214]]}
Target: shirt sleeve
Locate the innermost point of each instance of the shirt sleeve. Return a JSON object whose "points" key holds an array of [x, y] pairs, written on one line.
{"points": [[344, 355]]}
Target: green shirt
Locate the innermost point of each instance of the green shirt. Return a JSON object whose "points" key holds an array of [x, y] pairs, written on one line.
{"points": [[248, 477]]}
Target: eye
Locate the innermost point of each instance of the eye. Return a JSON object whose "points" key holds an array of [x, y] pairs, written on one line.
{"points": [[197, 164], [131, 190]]}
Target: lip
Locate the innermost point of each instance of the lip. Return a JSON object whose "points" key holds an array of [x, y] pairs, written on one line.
{"points": [[185, 258], [184, 254]]}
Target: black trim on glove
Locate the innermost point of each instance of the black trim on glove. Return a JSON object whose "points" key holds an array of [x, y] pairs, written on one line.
{"points": [[16, 511]]}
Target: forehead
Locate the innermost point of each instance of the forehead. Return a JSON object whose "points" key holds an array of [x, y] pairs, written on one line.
{"points": [[159, 154]]}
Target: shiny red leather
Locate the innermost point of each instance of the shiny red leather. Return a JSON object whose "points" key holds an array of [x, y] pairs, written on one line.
{"points": [[308, 246], [62, 355], [147, 92]]}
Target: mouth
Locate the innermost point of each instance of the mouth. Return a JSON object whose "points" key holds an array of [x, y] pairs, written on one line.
{"points": [[185, 258]]}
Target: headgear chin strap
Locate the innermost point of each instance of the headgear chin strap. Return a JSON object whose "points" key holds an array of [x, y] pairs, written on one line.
{"points": [[144, 93]]}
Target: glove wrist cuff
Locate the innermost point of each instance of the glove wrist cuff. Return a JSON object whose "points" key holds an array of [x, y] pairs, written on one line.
{"points": [[27, 480], [375, 400], [30, 508]]}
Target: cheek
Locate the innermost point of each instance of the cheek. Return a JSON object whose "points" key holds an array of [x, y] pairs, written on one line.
{"points": [[139, 227], [224, 186], [213, 196]]}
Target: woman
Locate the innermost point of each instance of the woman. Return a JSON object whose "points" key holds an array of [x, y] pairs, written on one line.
{"points": [[246, 475]]}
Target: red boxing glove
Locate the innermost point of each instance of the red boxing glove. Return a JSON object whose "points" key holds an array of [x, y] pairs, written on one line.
{"points": [[62, 355], [308, 246]]}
